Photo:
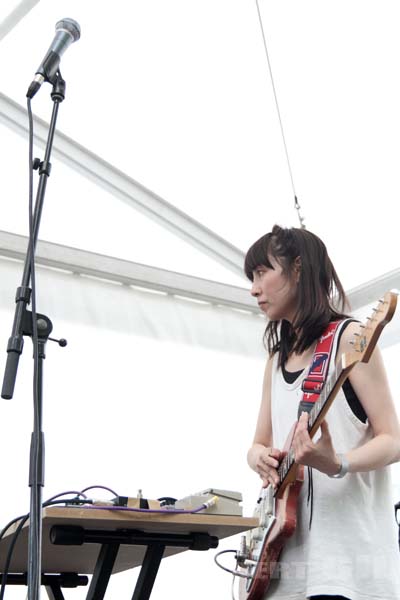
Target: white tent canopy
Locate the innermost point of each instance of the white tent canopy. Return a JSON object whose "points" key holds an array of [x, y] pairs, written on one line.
{"points": [[168, 163]]}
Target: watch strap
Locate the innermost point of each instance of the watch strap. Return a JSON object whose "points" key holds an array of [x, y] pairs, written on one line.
{"points": [[344, 467]]}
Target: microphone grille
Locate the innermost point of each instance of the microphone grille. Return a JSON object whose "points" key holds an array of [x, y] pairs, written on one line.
{"points": [[71, 26]]}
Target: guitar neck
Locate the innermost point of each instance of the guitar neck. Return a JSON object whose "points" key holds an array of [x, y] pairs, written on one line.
{"points": [[287, 468], [328, 394]]}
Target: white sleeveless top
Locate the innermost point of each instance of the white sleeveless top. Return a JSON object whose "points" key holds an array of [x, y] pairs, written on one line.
{"points": [[351, 548]]}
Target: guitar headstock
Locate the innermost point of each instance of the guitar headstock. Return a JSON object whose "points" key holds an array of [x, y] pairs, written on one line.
{"points": [[366, 339]]}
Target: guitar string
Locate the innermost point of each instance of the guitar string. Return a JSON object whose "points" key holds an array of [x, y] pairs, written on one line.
{"points": [[288, 460]]}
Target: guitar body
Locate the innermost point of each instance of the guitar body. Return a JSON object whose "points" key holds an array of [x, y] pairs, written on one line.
{"points": [[266, 551], [278, 519]]}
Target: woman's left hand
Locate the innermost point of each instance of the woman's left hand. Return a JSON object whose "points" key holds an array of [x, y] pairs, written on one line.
{"points": [[321, 455]]}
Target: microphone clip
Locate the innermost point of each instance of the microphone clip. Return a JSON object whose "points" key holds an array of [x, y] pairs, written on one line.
{"points": [[59, 85]]}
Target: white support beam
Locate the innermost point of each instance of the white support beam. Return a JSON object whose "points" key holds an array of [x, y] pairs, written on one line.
{"points": [[127, 189], [127, 273], [15, 16], [370, 292]]}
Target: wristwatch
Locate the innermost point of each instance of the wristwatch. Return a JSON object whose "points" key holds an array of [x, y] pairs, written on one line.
{"points": [[344, 467]]}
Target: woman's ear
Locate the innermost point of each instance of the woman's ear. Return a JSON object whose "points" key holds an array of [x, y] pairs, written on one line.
{"points": [[297, 268]]}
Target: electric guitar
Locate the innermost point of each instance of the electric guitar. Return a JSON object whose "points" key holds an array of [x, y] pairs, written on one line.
{"points": [[277, 508]]}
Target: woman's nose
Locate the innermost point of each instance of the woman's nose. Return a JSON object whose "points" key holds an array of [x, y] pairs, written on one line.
{"points": [[255, 289]]}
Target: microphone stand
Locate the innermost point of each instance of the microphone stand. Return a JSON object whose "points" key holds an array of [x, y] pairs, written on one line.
{"points": [[23, 325]]}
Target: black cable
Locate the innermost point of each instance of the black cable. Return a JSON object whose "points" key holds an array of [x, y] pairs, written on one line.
{"points": [[54, 500], [67, 501], [9, 556], [64, 494], [49, 502], [3, 531], [35, 466], [32, 257], [16, 533], [233, 572], [24, 518]]}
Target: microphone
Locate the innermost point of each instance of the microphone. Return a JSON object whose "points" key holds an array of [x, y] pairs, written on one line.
{"points": [[67, 31]]}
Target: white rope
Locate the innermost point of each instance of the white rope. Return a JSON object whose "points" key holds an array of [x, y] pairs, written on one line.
{"points": [[296, 203]]}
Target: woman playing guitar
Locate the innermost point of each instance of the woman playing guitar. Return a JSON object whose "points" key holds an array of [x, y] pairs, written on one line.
{"points": [[344, 545]]}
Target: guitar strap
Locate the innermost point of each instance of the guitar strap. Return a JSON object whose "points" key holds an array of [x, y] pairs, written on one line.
{"points": [[313, 385], [314, 382]]}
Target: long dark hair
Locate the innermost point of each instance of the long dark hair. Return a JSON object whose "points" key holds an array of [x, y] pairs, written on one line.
{"points": [[321, 297]]}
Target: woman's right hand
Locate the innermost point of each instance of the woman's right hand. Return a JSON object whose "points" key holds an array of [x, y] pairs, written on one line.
{"points": [[265, 461]]}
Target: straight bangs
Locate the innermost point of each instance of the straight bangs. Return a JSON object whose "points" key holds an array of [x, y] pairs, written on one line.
{"points": [[257, 255]]}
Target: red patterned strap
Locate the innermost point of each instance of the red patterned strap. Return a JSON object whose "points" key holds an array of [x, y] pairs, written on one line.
{"points": [[314, 382]]}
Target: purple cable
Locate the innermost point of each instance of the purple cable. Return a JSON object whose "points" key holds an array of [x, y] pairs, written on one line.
{"points": [[170, 511]]}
